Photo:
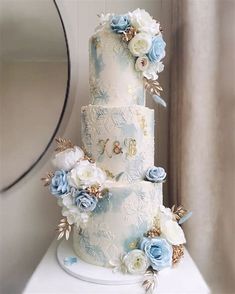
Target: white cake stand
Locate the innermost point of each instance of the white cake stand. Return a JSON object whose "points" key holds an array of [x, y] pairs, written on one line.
{"points": [[92, 273]]}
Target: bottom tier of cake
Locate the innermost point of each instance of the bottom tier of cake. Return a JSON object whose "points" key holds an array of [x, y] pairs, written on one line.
{"points": [[118, 222]]}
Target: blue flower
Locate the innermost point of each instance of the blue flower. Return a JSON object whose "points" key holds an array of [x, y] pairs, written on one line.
{"points": [[156, 174], [157, 50], [159, 252], [70, 260], [120, 23], [85, 201], [59, 183]]}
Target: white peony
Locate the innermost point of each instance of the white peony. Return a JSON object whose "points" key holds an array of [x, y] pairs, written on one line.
{"points": [[136, 262], [85, 174], [140, 44], [151, 72], [173, 232], [143, 22], [67, 159]]}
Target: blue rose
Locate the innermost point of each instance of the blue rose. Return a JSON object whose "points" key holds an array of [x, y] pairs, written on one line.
{"points": [[157, 50], [156, 174], [59, 183], [159, 252], [120, 23], [85, 201]]}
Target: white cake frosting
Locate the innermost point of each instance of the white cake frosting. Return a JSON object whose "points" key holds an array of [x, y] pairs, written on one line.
{"points": [[118, 222], [118, 133], [113, 78], [120, 139]]}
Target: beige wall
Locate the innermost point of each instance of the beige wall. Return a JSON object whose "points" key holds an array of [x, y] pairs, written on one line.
{"points": [[28, 213], [30, 92]]}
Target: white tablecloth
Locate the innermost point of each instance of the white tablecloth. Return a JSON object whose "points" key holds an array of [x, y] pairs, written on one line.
{"points": [[50, 278]]}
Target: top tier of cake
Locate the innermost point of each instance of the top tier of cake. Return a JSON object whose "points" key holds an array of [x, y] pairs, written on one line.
{"points": [[113, 78]]}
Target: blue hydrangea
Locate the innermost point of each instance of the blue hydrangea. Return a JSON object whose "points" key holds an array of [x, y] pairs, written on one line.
{"points": [[85, 202], [157, 50], [59, 183], [120, 23], [159, 252], [156, 174]]}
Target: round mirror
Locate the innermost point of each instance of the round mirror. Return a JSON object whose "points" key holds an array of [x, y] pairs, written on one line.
{"points": [[34, 83]]}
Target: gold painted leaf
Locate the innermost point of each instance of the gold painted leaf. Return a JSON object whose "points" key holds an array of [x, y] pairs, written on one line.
{"points": [[60, 235], [63, 144], [152, 86]]}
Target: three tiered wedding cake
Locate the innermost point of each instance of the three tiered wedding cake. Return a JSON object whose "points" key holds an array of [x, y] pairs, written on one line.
{"points": [[111, 192]]}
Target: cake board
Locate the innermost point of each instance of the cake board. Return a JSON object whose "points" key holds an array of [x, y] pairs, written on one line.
{"points": [[89, 272]]}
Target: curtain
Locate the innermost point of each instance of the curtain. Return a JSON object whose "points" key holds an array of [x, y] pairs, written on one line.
{"points": [[202, 133]]}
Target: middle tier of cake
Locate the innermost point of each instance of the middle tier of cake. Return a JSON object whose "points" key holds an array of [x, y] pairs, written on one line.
{"points": [[119, 139]]}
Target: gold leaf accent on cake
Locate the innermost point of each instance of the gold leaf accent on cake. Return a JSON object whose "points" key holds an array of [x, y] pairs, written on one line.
{"points": [[109, 174], [95, 191], [178, 212], [47, 178], [150, 282], [129, 34], [178, 253], [153, 87], [63, 144], [155, 230], [87, 155], [64, 229], [134, 244]]}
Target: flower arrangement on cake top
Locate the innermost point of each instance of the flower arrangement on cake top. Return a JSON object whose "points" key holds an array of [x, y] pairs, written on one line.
{"points": [[144, 39], [78, 185]]}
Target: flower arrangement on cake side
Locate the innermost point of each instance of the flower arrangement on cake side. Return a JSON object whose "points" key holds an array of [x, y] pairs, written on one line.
{"points": [[143, 37], [78, 185]]}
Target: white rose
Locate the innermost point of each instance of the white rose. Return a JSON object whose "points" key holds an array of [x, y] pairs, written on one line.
{"points": [[140, 44], [67, 159], [136, 261], [72, 215], [143, 22], [142, 63], [85, 174], [173, 232], [151, 72]]}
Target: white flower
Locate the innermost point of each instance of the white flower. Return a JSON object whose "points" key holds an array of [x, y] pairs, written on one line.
{"points": [[136, 261], [143, 22], [67, 201], [84, 216], [72, 215], [140, 44], [166, 212], [151, 72], [67, 159], [173, 232], [142, 63], [85, 174]]}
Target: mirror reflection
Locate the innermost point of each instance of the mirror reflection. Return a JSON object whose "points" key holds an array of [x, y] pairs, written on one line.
{"points": [[33, 80]]}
